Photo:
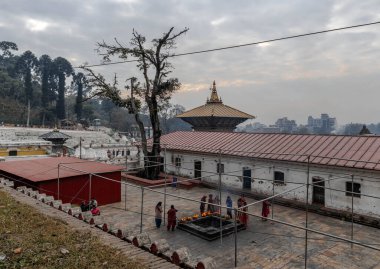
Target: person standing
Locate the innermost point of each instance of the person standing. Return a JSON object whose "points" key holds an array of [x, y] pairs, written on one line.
{"points": [[93, 203], [158, 214], [229, 206], [172, 218], [210, 208], [203, 204], [265, 210], [243, 217], [217, 201]]}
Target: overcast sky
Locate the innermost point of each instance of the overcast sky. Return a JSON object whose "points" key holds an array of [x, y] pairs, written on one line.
{"points": [[335, 73]]}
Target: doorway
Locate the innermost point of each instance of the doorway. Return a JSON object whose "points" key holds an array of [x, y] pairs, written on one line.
{"points": [[197, 170], [318, 191], [247, 178]]}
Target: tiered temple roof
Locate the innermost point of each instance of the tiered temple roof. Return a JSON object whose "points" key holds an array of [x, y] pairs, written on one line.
{"points": [[214, 115]]}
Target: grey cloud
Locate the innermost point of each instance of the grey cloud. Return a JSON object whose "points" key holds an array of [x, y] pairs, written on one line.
{"points": [[332, 73]]}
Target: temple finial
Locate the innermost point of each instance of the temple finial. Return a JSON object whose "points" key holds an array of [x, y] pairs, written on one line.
{"points": [[214, 95]]}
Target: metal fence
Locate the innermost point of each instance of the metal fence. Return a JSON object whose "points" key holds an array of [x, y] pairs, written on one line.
{"points": [[161, 190]]}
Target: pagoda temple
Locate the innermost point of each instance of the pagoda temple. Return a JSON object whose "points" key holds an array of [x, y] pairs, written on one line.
{"points": [[214, 115], [57, 139]]}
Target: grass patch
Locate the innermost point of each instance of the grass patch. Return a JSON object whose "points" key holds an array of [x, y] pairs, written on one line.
{"points": [[43, 241]]}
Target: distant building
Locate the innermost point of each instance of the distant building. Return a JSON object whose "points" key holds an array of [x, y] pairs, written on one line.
{"points": [[323, 125], [286, 126], [365, 131], [272, 129], [214, 115], [26, 148]]}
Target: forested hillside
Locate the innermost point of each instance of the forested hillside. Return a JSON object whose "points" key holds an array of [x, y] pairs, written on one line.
{"points": [[53, 92]]}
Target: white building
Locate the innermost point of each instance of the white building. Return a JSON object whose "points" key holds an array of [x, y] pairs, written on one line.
{"points": [[251, 162]]}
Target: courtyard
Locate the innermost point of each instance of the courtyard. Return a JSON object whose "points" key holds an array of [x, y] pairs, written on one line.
{"points": [[264, 244]]}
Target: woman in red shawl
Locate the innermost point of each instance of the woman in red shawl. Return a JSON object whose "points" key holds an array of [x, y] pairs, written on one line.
{"points": [[243, 217], [265, 210]]}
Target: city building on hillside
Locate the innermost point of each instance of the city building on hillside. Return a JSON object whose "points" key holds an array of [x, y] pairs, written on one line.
{"points": [[337, 166], [323, 125], [286, 126], [214, 115]]}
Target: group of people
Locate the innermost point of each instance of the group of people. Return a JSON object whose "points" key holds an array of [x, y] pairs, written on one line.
{"points": [[172, 216], [211, 207], [241, 204], [212, 204], [92, 206]]}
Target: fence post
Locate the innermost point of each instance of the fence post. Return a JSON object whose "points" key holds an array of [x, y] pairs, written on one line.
{"points": [[89, 189], [142, 209], [272, 202], [125, 195], [352, 209], [220, 194], [58, 183], [165, 185], [307, 207], [235, 213]]}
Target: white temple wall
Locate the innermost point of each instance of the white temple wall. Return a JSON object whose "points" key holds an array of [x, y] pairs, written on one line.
{"points": [[263, 173]]}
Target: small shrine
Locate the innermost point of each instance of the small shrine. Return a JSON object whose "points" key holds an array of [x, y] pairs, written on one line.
{"points": [[57, 138], [214, 115]]}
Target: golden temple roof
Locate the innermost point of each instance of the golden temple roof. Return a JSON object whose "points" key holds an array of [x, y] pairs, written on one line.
{"points": [[214, 107]]}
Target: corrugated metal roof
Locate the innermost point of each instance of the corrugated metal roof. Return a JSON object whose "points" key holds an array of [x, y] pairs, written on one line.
{"points": [[215, 110], [42, 169], [337, 150]]}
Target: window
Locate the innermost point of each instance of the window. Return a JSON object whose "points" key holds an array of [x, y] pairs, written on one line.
{"points": [[220, 167], [178, 162], [279, 177], [356, 190], [12, 153]]}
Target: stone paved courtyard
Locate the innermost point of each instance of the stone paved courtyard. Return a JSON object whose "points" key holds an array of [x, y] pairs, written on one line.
{"points": [[263, 244]]}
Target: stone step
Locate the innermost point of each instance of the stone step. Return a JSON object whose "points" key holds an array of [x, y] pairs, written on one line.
{"points": [[48, 199], [75, 211], [8, 183], [32, 194], [21, 188], [40, 196], [65, 207], [56, 203]]}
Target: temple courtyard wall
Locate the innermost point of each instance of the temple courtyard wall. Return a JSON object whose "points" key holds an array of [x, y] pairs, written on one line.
{"points": [[261, 173]]}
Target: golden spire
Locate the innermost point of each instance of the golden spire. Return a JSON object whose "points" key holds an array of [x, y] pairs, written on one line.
{"points": [[214, 95]]}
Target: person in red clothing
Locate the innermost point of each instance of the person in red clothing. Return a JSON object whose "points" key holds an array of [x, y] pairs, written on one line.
{"points": [[172, 218], [243, 217], [265, 210]]}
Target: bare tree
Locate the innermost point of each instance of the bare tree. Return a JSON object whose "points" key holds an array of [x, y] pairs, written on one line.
{"points": [[154, 89]]}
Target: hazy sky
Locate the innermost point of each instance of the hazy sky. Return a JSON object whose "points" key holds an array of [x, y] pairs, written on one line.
{"points": [[335, 73]]}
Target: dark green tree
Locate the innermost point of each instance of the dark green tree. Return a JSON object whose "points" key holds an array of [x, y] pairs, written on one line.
{"points": [[80, 82], [155, 89], [45, 71], [25, 65], [6, 48], [62, 69]]}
